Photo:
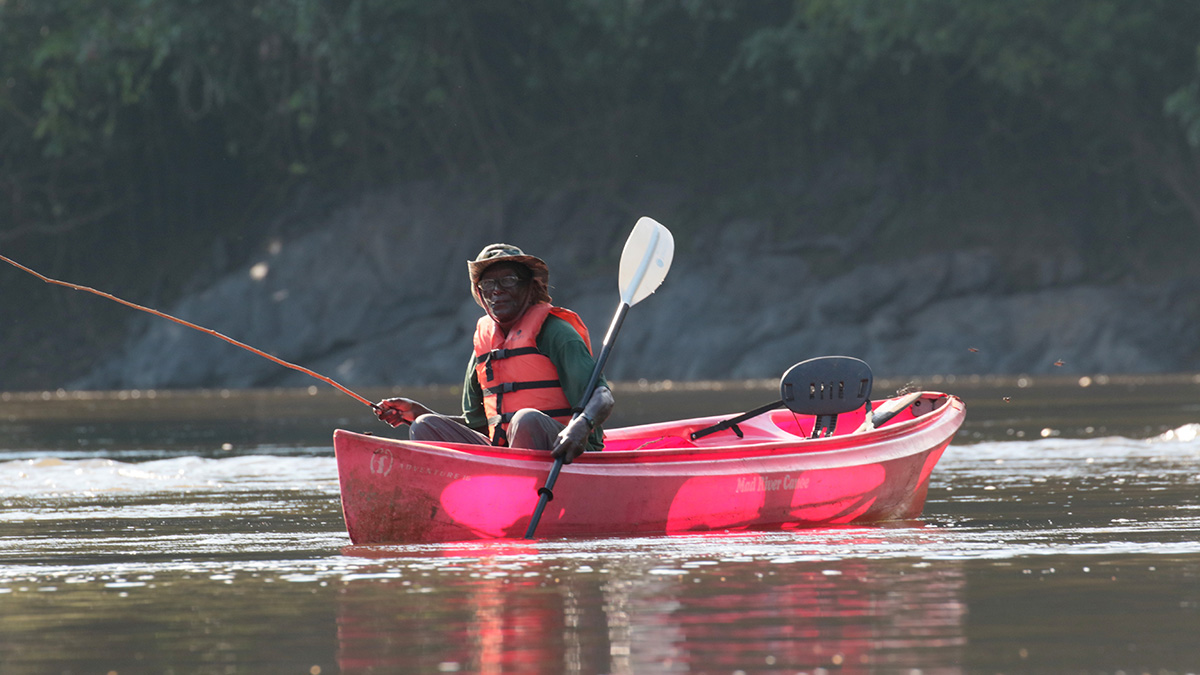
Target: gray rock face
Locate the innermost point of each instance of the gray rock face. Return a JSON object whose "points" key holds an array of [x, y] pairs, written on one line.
{"points": [[379, 296]]}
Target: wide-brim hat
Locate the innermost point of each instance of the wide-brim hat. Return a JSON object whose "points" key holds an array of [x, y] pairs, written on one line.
{"points": [[500, 253]]}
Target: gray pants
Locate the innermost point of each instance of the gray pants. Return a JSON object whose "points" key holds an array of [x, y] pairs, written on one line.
{"points": [[529, 429]]}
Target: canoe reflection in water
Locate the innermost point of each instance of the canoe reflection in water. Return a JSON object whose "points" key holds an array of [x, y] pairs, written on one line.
{"points": [[714, 613]]}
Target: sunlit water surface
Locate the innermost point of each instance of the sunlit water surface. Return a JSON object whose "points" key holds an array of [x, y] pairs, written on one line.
{"points": [[202, 534]]}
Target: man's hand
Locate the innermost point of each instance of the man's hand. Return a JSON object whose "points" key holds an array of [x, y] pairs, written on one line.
{"points": [[572, 440], [397, 411]]}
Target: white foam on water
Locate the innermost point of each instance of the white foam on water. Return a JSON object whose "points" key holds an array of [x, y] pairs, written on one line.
{"points": [[52, 476]]}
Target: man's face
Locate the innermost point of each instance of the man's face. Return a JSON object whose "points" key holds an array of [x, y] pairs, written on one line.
{"points": [[504, 294]]}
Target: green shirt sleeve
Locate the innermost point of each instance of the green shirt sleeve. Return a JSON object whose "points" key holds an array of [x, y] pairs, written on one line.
{"points": [[472, 398], [566, 350]]}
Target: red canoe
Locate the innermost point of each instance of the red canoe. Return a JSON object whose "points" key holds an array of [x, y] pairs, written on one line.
{"points": [[653, 479]]}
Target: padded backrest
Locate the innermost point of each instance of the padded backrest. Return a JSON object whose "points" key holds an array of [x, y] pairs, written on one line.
{"points": [[827, 385]]}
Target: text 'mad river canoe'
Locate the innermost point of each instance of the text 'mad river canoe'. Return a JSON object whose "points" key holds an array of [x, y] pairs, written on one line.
{"points": [[763, 471]]}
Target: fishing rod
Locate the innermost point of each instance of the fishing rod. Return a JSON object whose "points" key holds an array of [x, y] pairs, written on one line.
{"points": [[202, 329]]}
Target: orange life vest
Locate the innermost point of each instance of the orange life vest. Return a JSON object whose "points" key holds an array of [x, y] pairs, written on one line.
{"points": [[514, 374]]}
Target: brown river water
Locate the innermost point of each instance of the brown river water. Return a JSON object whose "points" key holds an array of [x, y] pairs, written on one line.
{"points": [[200, 532]]}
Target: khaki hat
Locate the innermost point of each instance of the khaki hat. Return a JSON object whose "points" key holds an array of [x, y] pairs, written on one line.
{"points": [[499, 253]]}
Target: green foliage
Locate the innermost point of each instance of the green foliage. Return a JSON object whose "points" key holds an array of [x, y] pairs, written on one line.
{"points": [[128, 109]]}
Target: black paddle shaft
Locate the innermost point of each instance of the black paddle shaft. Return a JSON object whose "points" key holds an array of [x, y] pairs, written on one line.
{"points": [[546, 492]]}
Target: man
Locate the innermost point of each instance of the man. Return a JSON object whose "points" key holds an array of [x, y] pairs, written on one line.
{"points": [[530, 365]]}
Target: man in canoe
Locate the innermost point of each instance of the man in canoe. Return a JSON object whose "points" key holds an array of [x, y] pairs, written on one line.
{"points": [[530, 365]]}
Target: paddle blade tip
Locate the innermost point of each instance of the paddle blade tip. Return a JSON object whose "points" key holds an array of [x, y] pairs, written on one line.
{"points": [[645, 260]]}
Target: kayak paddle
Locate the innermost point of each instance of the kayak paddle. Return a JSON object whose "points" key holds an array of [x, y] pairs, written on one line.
{"points": [[644, 264]]}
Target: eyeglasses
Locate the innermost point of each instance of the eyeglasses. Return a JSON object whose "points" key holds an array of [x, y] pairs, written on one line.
{"points": [[490, 285]]}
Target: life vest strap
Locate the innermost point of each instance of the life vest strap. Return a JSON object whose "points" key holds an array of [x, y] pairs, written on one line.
{"points": [[508, 387], [497, 354]]}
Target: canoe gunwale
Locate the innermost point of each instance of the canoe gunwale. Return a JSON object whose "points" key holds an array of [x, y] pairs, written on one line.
{"points": [[782, 445]]}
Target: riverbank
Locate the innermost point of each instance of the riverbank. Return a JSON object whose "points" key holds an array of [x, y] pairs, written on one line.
{"points": [[376, 295], [372, 291]]}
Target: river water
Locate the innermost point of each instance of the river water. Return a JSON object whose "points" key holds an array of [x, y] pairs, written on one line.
{"points": [[200, 532]]}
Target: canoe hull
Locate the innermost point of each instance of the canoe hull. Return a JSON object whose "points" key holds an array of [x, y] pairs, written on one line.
{"points": [[652, 482]]}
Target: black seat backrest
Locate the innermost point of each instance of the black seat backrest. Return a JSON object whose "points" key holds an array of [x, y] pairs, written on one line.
{"points": [[826, 387]]}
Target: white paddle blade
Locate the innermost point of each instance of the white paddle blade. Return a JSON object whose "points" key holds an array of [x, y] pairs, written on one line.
{"points": [[645, 260]]}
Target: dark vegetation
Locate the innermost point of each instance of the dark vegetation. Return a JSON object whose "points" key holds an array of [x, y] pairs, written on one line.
{"points": [[147, 143]]}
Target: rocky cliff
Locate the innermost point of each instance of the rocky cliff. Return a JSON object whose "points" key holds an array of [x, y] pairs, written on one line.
{"points": [[378, 295]]}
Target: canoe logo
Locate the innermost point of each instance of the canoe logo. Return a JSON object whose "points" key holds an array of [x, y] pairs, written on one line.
{"points": [[382, 461], [770, 483]]}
